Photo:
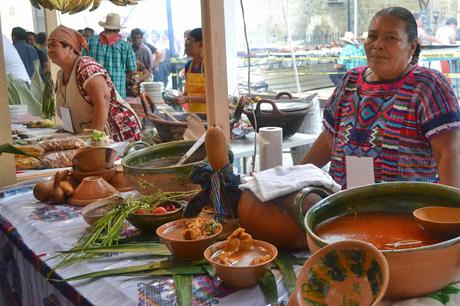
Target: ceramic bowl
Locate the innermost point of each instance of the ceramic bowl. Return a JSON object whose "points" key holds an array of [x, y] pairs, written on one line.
{"points": [[343, 273], [413, 272], [92, 188], [98, 209], [150, 222], [240, 277], [106, 174], [439, 220], [185, 249], [94, 158], [153, 168]]}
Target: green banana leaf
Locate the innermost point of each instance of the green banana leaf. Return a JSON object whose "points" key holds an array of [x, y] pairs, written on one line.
{"points": [[284, 264], [153, 248], [21, 93], [183, 288], [9, 148], [268, 285]]}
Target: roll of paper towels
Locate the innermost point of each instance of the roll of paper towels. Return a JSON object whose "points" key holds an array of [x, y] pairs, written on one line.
{"points": [[270, 147]]}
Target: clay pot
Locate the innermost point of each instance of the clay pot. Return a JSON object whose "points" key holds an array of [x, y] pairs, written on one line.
{"points": [[92, 188], [119, 181], [240, 277], [413, 272], [94, 158], [106, 174], [278, 221], [146, 175], [185, 249], [349, 254]]}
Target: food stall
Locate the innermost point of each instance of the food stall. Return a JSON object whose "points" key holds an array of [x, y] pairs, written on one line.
{"points": [[58, 254]]}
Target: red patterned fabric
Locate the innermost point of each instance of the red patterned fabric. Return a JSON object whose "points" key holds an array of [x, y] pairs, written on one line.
{"points": [[123, 123]]}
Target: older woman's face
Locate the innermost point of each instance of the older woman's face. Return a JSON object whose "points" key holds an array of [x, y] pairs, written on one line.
{"points": [[58, 53], [388, 49]]}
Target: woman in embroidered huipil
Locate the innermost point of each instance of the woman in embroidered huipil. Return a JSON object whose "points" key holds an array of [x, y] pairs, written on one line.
{"points": [[85, 95], [405, 117]]}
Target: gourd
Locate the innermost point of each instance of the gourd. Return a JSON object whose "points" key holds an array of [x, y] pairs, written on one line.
{"points": [[51, 190], [277, 221], [216, 148]]}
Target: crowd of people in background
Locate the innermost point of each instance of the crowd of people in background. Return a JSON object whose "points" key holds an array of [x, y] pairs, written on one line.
{"points": [[129, 57]]}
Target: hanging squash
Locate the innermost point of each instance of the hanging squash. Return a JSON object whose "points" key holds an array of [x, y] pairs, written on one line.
{"points": [[75, 6]]}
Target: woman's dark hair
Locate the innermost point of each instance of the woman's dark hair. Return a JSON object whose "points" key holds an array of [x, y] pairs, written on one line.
{"points": [[41, 38], [31, 33], [411, 26], [137, 31], [19, 33]]}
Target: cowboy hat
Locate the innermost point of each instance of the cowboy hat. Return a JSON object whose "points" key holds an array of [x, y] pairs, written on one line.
{"points": [[349, 37], [112, 22]]}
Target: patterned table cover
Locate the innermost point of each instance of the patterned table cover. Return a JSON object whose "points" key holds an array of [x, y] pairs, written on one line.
{"points": [[32, 232]]}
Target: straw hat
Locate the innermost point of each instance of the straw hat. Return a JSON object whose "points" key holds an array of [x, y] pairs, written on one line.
{"points": [[349, 37], [112, 22]]}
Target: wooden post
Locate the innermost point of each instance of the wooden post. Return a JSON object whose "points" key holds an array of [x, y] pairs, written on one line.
{"points": [[7, 164], [51, 23], [215, 68]]}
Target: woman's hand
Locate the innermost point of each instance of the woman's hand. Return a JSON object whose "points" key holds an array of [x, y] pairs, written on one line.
{"points": [[446, 151], [99, 93]]}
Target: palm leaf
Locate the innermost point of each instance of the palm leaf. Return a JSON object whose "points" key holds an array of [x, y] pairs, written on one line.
{"points": [[269, 288], [183, 288], [185, 270], [283, 261], [210, 270], [153, 248], [119, 271], [163, 264]]}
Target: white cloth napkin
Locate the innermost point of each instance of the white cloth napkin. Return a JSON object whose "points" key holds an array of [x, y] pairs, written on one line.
{"points": [[282, 180]]}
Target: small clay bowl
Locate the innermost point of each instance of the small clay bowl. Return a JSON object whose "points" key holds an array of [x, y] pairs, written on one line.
{"points": [[243, 276], [94, 158], [440, 221], [185, 249], [98, 209], [348, 272], [92, 188], [120, 182], [150, 222], [106, 174]]}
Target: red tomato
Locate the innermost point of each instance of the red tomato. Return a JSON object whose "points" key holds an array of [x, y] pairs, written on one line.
{"points": [[160, 210]]}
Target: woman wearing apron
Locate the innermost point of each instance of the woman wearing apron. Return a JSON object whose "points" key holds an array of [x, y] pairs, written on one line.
{"points": [[85, 95], [194, 93]]}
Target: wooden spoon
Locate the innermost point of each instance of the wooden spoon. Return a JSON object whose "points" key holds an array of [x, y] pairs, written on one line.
{"points": [[441, 221]]}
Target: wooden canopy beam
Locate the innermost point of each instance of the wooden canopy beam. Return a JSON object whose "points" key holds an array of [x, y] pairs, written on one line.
{"points": [[7, 164], [215, 68]]}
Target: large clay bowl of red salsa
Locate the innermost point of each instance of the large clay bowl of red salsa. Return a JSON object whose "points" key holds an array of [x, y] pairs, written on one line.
{"points": [[381, 214]]}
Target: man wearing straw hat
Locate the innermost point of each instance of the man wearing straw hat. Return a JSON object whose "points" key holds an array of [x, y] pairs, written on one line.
{"points": [[115, 54], [349, 57]]}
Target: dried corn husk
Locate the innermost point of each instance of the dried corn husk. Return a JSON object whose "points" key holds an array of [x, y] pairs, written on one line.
{"points": [[28, 162]]}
